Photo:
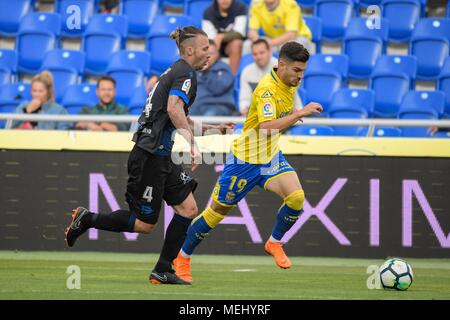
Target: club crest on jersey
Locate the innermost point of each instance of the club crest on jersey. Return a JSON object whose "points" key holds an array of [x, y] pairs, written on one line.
{"points": [[266, 94], [186, 85], [267, 109]]}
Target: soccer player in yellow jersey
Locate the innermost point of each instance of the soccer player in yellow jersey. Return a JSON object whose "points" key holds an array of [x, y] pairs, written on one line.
{"points": [[280, 20], [256, 159]]}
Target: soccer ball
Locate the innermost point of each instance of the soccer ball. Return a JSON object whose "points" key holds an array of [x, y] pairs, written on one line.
{"points": [[396, 274]]}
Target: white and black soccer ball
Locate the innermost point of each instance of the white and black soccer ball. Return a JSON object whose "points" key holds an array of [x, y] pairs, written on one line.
{"points": [[396, 274]]}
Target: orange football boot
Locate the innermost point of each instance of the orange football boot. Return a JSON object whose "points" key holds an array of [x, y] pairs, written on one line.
{"points": [[276, 250]]}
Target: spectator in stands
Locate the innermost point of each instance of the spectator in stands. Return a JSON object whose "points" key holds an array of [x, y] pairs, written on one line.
{"points": [[106, 92], [214, 88], [281, 21], [225, 22], [42, 102], [254, 72]]}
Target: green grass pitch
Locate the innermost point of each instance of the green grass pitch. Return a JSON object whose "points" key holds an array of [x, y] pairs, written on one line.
{"points": [[42, 275]]}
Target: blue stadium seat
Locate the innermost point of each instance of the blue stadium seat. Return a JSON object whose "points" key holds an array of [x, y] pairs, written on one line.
{"points": [[391, 79], [303, 130], [315, 25], [403, 16], [8, 65], [66, 66], [335, 15], [164, 50], [430, 44], [302, 94], [11, 14], [444, 85], [351, 104], [382, 132], [195, 10], [364, 43], [421, 105], [12, 94], [140, 14], [129, 69], [137, 102], [78, 96], [38, 33], [104, 35], [325, 75], [72, 26], [448, 9]]}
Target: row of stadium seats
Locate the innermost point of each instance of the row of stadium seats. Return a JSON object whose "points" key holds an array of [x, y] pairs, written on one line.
{"points": [[106, 34], [336, 14], [390, 79], [346, 103]]}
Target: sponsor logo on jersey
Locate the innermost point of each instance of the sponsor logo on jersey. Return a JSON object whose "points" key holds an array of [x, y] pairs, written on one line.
{"points": [[268, 109], [267, 94], [186, 85]]}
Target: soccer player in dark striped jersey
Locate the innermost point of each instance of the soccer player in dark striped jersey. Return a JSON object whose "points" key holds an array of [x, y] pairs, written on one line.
{"points": [[153, 176]]}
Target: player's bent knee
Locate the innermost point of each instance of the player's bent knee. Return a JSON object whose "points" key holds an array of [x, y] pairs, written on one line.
{"points": [[295, 199]]}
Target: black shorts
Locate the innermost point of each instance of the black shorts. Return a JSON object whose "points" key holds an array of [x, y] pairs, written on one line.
{"points": [[152, 179]]}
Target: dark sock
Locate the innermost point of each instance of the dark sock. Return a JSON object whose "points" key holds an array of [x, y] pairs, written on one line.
{"points": [[175, 235], [117, 221]]}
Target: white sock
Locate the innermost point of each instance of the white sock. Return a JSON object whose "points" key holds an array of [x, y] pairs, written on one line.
{"points": [[272, 239], [185, 255]]}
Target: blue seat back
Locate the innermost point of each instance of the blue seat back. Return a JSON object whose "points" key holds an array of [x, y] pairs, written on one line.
{"points": [[75, 16], [130, 60], [195, 10], [141, 14], [403, 15], [335, 15], [444, 86], [12, 94], [393, 64], [389, 92], [8, 65], [138, 100], [11, 14], [315, 25], [430, 44], [303, 130], [364, 43], [78, 96]]}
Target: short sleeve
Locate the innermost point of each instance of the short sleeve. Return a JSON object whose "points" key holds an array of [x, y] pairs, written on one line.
{"points": [[265, 106], [182, 84]]}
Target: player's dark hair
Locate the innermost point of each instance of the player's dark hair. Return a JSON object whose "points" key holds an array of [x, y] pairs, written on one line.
{"points": [[181, 35], [106, 78], [261, 40], [294, 51]]}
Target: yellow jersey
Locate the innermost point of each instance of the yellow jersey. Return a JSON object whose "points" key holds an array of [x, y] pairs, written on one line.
{"points": [[287, 16], [272, 99]]}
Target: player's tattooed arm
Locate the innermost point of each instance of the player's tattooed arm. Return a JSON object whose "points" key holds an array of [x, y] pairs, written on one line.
{"points": [[175, 109]]}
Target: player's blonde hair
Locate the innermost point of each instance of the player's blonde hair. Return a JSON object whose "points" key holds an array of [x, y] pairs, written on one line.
{"points": [[181, 35], [46, 78]]}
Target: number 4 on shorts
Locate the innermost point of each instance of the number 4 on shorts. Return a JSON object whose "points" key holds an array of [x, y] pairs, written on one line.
{"points": [[148, 194]]}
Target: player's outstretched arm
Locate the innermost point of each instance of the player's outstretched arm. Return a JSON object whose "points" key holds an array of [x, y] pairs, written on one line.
{"points": [[286, 122], [202, 129]]}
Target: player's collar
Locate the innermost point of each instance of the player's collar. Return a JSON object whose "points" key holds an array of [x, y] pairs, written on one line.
{"points": [[275, 77]]}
